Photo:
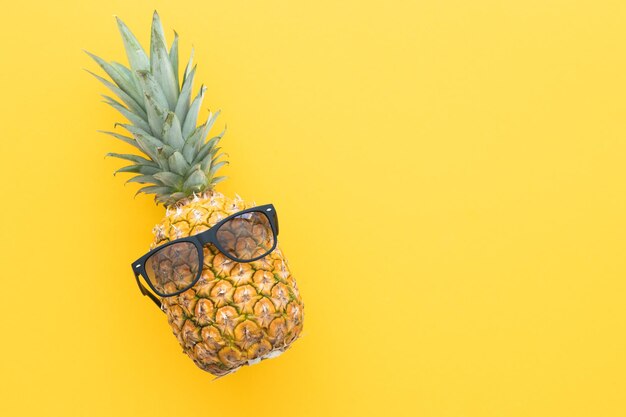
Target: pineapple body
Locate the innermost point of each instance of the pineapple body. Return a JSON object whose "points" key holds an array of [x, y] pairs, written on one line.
{"points": [[237, 313]]}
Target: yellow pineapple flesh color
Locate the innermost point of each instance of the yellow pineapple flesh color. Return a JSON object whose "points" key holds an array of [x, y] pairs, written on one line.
{"points": [[237, 313]]}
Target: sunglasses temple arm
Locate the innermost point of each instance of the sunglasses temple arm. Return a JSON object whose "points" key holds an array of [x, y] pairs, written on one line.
{"points": [[156, 300], [275, 221], [145, 291]]}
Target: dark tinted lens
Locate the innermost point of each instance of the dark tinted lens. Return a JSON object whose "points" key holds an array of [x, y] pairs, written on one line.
{"points": [[246, 236], [173, 268]]}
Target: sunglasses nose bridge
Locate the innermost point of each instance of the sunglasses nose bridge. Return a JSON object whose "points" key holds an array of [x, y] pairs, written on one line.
{"points": [[205, 238]]}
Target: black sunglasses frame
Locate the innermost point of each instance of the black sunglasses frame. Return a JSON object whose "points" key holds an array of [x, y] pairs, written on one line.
{"points": [[199, 241]]}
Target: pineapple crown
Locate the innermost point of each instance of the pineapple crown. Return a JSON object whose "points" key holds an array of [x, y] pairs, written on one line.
{"points": [[177, 159]]}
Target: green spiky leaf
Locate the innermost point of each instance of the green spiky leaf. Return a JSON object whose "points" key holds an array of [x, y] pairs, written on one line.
{"points": [[160, 63], [172, 132], [131, 76], [130, 157], [206, 149], [136, 55], [196, 181], [152, 88], [189, 148], [139, 169], [178, 164], [174, 56], [145, 179], [156, 115], [155, 189], [214, 167], [216, 180], [188, 66], [132, 117], [123, 138], [170, 179], [182, 107], [192, 115], [128, 100], [120, 77]]}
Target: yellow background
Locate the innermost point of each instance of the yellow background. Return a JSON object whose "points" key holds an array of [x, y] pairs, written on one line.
{"points": [[451, 182]]}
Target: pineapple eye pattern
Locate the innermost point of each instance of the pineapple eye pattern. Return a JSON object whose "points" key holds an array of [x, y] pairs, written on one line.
{"points": [[246, 236], [174, 267]]}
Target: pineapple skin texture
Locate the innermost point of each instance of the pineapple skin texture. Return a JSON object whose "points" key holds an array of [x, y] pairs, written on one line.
{"points": [[237, 313]]}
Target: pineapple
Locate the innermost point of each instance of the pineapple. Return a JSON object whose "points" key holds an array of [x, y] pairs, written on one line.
{"points": [[237, 313]]}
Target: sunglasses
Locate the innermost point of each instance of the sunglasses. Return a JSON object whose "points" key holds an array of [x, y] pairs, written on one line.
{"points": [[176, 266]]}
